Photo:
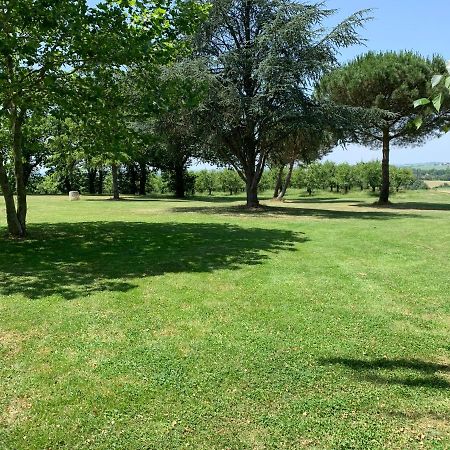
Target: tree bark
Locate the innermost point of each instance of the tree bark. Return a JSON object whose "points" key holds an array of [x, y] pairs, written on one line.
{"points": [[180, 188], [92, 175], [133, 179], [252, 195], [14, 226], [101, 175], [287, 181], [278, 183], [384, 191], [142, 178], [115, 181]]}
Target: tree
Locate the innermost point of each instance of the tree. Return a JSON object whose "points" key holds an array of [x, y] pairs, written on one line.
{"points": [[230, 181], [206, 180], [344, 177], [388, 83], [401, 177], [172, 126], [265, 56], [329, 174], [43, 44], [313, 177]]}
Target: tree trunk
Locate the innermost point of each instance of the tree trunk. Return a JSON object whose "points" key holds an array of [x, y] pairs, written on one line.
{"points": [[92, 175], [115, 181], [133, 179], [27, 171], [252, 192], [67, 184], [142, 178], [14, 226], [278, 183], [384, 191], [180, 188], [287, 182], [101, 175]]}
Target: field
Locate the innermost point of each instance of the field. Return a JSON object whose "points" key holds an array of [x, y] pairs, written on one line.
{"points": [[437, 184], [323, 322]]}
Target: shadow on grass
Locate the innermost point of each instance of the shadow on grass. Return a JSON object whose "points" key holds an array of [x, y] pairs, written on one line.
{"points": [[136, 198], [421, 206], [406, 372], [75, 259], [320, 200], [265, 210], [170, 198]]}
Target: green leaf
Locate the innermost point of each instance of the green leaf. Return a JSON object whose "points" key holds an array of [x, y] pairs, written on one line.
{"points": [[447, 82], [448, 66], [421, 102], [446, 128], [436, 80], [418, 121], [437, 102]]}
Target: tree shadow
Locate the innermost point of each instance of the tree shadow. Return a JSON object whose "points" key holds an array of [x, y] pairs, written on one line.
{"points": [[421, 206], [170, 198], [325, 200], [406, 372], [268, 211], [76, 259], [136, 198]]}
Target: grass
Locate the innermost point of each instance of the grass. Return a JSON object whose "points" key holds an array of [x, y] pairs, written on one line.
{"points": [[322, 322]]}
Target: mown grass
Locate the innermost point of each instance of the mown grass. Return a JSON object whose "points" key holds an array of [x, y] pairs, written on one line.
{"points": [[322, 322]]}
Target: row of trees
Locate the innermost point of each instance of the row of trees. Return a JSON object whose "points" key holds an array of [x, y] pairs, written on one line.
{"points": [[246, 84], [316, 176]]}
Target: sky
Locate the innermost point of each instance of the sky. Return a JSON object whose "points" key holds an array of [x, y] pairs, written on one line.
{"points": [[418, 25]]}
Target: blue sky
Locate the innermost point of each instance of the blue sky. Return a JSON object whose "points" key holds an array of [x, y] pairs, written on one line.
{"points": [[419, 25]]}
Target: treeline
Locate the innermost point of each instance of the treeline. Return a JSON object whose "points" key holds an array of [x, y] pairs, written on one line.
{"points": [[432, 174], [340, 178]]}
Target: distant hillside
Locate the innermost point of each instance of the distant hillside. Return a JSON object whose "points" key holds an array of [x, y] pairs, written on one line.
{"points": [[428, 166], [430, 171]]}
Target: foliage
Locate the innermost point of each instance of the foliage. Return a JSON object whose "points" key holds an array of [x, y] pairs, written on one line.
{"points": [[206, 181], [229, 181], [441, 84]]}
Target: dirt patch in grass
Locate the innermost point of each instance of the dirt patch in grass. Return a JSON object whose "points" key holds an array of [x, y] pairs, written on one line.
{"points": [[16, 411], [11, 342]]}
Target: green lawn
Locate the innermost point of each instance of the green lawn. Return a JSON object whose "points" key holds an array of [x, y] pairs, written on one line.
{"points": [[323, 322]]}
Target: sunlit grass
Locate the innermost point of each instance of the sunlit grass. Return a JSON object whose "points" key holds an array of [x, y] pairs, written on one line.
{"points": [[322, 322]]}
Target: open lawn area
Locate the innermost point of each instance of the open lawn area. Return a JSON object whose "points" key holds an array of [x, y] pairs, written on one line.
{"points": [[153, 323]]}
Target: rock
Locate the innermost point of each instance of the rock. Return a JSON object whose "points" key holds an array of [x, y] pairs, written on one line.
{"points": [[74, 195]]}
